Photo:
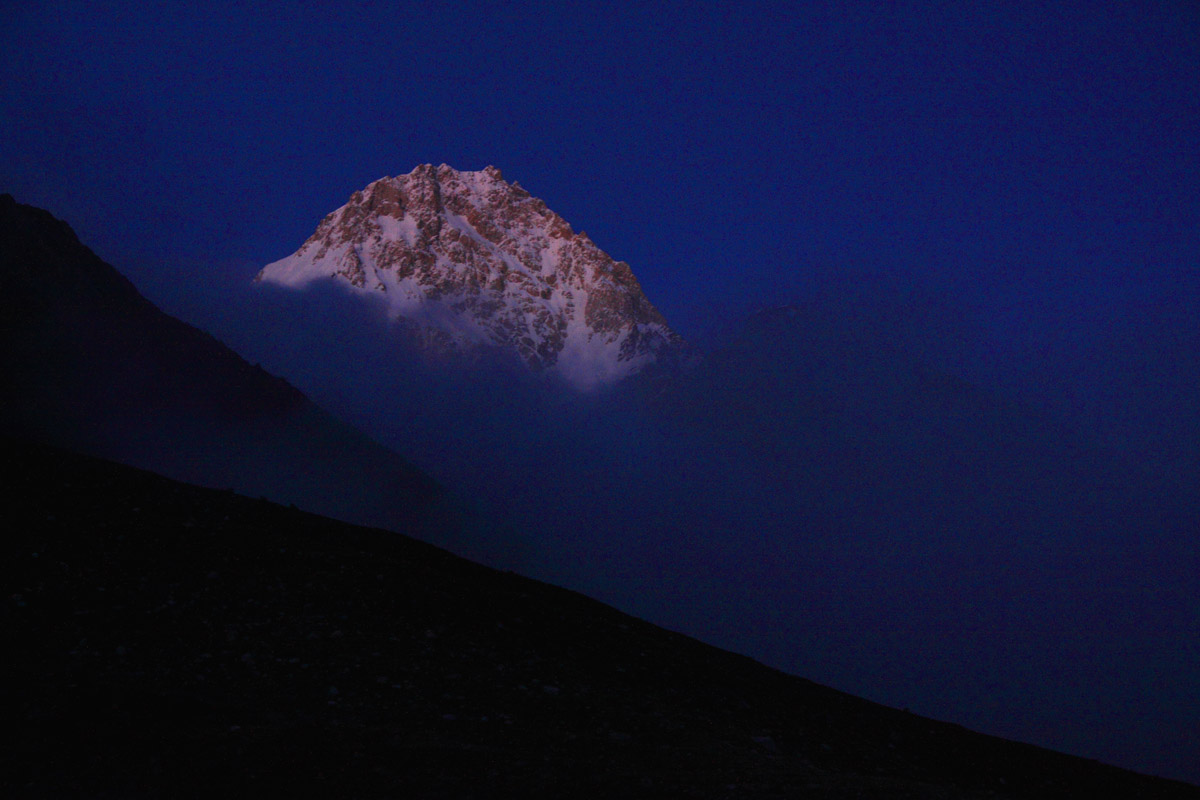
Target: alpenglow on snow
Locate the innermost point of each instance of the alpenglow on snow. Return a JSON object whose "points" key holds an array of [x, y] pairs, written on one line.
{"points": [[466, 260]]}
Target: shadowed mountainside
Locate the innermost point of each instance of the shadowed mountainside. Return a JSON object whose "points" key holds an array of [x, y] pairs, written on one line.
{"points": [[168, 639], [87, 363]]}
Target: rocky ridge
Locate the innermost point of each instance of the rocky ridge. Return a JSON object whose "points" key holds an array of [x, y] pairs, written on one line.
{"points": [[468, 260]]}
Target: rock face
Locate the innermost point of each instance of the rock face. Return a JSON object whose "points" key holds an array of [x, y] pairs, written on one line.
{"points": [[467, 260]]}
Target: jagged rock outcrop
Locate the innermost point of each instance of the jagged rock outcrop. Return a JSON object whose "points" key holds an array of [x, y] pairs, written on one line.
{"points": [[467, 260]]}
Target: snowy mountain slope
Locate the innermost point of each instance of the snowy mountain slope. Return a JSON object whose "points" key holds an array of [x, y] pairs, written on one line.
{"points": [[467, 260]]}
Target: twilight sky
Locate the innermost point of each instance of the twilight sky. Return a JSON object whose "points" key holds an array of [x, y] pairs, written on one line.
{"points": [[1035, 170]]}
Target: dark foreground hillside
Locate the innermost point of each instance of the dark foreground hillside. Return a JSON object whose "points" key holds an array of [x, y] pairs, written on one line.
{"points": [[166, 640]]}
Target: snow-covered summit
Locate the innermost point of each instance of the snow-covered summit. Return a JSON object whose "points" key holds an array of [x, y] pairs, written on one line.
{"points": [[465, 259]]}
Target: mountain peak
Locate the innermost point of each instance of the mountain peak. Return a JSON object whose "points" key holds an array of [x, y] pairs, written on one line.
{"points": [[467, 260]]}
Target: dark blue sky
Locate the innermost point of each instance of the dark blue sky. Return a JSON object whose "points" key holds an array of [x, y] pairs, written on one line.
{"points": [[721, 150], [1033, 168]]}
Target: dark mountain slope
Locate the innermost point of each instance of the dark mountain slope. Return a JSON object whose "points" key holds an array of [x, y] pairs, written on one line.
{"points": [[88, 363], [167, 640], [818, 494]]}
